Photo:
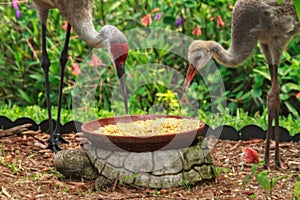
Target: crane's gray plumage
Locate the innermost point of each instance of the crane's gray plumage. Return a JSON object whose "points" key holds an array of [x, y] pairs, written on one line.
{"points": [[79, 15], [263, 21], [253, 21]]}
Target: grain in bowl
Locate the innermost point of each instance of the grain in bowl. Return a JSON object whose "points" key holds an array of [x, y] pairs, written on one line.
{"points": [[158, 126]]}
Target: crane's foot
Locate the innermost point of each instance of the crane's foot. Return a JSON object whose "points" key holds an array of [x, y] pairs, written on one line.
{"points": [[54, 145], [55, 141], [279, 163], [61, 139], [266, 165]]}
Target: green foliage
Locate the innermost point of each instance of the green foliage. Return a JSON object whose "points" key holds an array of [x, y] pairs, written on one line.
{"points": [[246, 87], [297, 188], [266, 182], [219, 170], [297, 6], [7, 163]]}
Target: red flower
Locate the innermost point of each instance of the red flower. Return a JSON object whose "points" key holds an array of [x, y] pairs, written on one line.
{"points": [[95, 61], [155, 10], [250, 155], [197, 31], [75, 69], [147, 20], [220, 21]]}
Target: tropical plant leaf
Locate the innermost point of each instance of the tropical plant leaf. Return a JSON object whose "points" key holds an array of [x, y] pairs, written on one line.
{"points": [[262, 179], [263, 73], [297, 6]]}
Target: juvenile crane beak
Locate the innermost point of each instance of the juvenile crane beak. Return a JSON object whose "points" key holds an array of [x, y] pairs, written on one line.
{"points": [[119, 53], [191, 73]]}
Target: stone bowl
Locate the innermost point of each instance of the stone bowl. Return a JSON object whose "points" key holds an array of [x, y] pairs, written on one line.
{"points": [[138, 143]]}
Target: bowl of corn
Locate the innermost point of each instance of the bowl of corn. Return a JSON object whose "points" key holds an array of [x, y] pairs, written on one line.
{"points": [[142, 133]]}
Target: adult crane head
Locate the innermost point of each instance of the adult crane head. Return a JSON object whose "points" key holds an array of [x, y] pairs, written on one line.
{"points": [[116, 43]]}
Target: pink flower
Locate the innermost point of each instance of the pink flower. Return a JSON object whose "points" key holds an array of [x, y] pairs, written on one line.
{"points": [[65, 26], [197, 31], [16, 6], [155, 10], [95, 61], [147, 20], [75, 69], [220, 21], [298, 96]]}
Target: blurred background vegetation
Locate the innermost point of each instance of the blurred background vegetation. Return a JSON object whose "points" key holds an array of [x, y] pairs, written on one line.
{"points": [[246, 86]]}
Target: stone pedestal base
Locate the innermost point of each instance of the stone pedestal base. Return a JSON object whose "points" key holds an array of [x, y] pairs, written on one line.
{"points": [[159, 169]]}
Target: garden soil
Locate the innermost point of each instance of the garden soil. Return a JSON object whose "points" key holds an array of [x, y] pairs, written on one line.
{"points": [[27, 172]]}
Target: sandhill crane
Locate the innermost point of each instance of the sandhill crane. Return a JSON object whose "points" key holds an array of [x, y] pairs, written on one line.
{"points": [[79, 16], [271, 24]]}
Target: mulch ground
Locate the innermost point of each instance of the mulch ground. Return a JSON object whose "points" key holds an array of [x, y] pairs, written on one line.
{"points": [[27, 172]]}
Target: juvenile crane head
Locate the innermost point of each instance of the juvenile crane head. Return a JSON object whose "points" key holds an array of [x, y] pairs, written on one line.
{"points": [[117, 45], [198, 56]]}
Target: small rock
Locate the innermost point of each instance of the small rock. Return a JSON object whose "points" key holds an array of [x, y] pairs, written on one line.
{"points": [[74, 163], [101, 183]]}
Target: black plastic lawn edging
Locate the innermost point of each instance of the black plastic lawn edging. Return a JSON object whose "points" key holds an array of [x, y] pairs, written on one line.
{"points": [[222, 132]]}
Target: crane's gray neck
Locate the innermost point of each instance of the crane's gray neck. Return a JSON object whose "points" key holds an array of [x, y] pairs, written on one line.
{"points": [[107, 35], [234, 55], [87, 32]]}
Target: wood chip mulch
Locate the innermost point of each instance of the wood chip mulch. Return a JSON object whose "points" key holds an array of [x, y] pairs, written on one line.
{"points": [[27, 172]]}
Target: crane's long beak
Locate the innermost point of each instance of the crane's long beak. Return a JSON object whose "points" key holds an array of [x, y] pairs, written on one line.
{"points": [[191, 73], [122, 78], [119, 54]]}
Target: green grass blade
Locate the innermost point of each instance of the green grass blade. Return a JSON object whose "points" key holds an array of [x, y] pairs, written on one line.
{"points": [[297, 6]]}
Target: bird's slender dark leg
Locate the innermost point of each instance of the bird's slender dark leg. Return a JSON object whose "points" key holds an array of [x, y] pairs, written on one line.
{"points": [[273, 114], [266, 50], [55, 144], [46, 65], [269, 131], [276, 113]]}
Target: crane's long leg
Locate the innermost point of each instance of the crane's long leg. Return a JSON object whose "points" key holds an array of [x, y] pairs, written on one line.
{"points": [[63, 61], [46, 65], [273, 114], [276, 109], [266, 50], [54, 144], [272, 55]]}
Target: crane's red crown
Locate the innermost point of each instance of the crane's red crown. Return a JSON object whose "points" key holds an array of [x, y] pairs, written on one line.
{"points": [[119, 53]]}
